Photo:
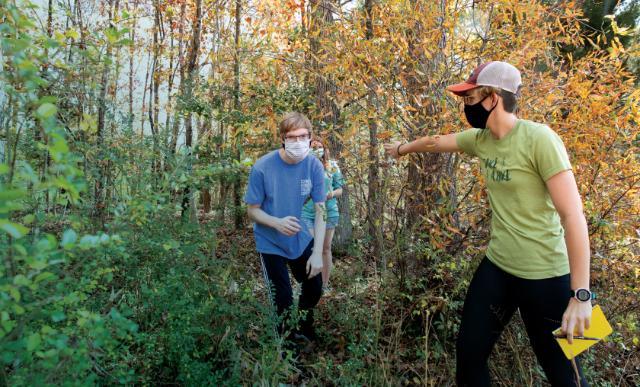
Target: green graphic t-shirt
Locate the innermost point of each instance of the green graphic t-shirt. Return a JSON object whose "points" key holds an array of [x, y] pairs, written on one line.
{"points": [[527, 239]]}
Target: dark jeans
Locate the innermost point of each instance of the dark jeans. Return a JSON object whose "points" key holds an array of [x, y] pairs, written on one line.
{"points": [[492, 298], [275, 267]]}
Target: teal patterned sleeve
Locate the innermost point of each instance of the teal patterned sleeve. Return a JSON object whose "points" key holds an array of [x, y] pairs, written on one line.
{"points": [[337, 180]]}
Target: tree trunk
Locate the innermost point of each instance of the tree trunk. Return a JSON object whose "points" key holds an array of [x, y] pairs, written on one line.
{"points": [[429, 171], [132, 36], [320, 15], [237, 186], [374, 202], [188, 205], [206, 201], [39, 133], [170, 78], [154, 97], [144, 96], [208, 123], [102, 106], [111, 91], [176, 119]]}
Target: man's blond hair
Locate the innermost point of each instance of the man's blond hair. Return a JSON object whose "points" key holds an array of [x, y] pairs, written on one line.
{"points": [[293, 121]]}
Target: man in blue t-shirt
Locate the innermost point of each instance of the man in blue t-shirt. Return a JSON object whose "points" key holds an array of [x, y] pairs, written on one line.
{"points": [[279, 184]]}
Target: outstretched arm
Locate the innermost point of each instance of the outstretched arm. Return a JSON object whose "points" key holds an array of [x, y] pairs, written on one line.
{"points": [[433, 144], [566, 198]]}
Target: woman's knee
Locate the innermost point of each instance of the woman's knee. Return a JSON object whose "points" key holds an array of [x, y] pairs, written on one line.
{"points": [[326, 248]]}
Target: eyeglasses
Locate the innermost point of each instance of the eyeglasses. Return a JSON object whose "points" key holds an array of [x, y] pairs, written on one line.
{"points": [[303, 137]]}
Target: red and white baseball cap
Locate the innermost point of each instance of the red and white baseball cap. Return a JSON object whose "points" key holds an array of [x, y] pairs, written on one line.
{"points": [[497, 74]]}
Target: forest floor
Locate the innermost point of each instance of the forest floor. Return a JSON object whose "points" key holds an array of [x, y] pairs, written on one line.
{"points": [[372, 332], [369, 332]]}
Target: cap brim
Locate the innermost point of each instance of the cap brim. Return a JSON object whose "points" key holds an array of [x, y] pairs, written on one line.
{"points": [[461, 88]]}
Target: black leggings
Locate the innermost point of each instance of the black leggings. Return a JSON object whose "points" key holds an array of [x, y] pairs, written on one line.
{"points": [[492, 298]]}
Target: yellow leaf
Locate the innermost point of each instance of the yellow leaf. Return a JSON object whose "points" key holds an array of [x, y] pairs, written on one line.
{"points": [[73, 34], [59, 37]]}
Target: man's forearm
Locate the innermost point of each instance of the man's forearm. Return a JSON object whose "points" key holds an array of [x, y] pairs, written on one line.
{"points": [[259, 216], [577, 240], [319, 226]]}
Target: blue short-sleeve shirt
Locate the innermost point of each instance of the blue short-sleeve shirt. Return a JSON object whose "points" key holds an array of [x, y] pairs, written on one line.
{"points": [[281, 190]]}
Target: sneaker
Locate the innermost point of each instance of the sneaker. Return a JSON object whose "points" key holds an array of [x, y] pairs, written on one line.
{"points": [[305, 343], [301, 338], [309, 333], [298, 343], [293, 343], [327, 289]]}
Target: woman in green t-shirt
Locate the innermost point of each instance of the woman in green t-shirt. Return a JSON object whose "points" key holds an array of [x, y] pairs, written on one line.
{"points": [[538, 257], [333, 183]]}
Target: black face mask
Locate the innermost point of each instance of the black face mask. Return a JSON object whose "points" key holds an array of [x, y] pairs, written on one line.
{"points": [[477, 115]]}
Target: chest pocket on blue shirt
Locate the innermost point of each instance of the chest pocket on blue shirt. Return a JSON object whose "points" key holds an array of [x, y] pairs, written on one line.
{"points": [[305, 187]]}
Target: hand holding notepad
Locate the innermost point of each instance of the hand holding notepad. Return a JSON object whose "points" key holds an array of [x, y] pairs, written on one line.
{"points": [[598, 330]]}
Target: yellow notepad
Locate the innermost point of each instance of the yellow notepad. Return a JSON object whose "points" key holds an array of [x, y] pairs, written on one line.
{"points": [[598, 330]]}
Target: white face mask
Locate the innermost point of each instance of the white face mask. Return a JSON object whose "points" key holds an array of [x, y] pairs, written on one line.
{"points": [[297, 150], [319, 152]]}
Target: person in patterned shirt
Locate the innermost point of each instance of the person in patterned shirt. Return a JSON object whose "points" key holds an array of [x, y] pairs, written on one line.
{"points": [[333, 183]]}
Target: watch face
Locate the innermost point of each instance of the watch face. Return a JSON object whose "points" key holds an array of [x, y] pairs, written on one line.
{"points": [[583, 295]]}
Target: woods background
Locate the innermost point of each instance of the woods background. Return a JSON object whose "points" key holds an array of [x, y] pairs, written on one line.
{"points": [[128, 127]]}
